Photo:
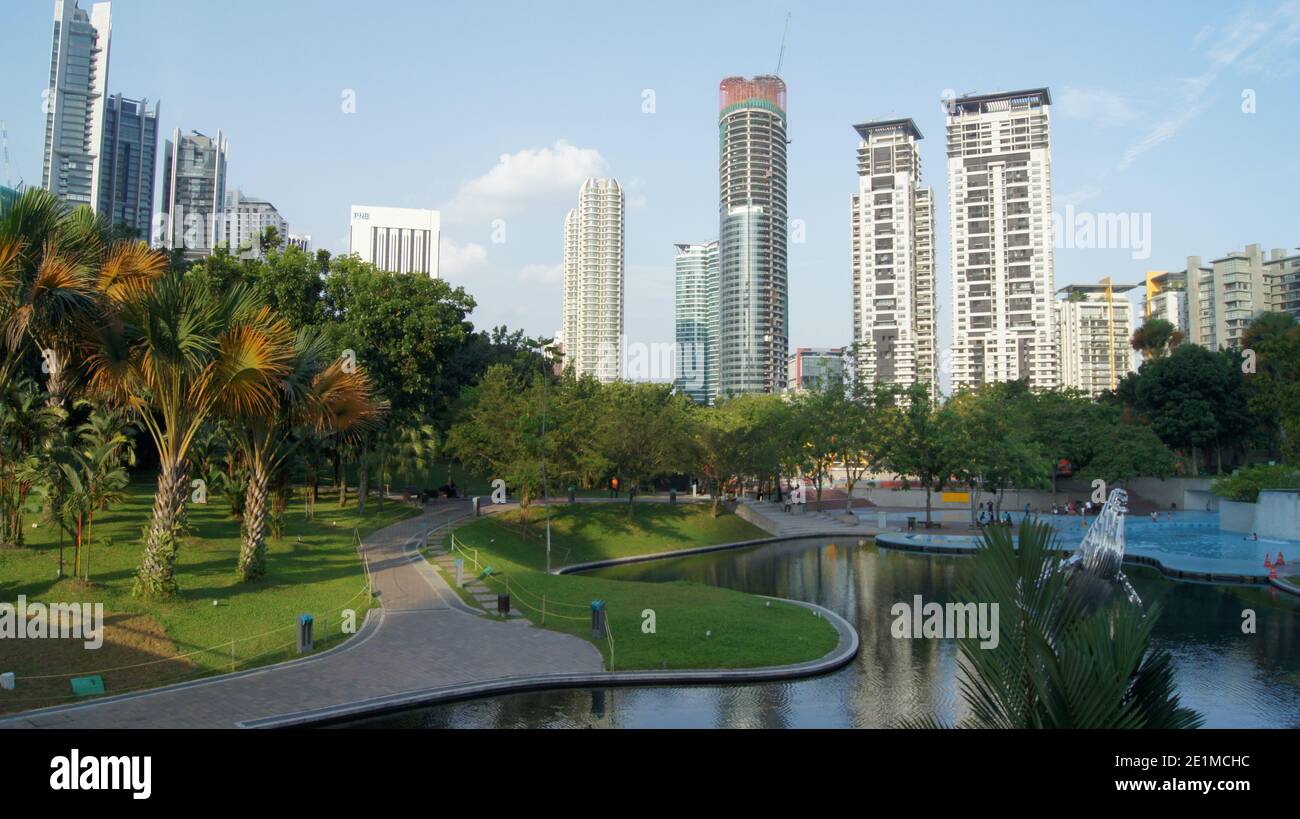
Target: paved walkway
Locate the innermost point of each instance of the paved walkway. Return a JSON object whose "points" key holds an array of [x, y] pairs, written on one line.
{"points": [[424, 645], [424, 637]]}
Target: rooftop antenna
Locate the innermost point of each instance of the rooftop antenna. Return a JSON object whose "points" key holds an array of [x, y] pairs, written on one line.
{"points": [[780, 58]]}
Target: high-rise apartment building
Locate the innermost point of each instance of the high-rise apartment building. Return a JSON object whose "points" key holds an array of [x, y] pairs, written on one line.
{"points": [[1166, 298], [1000, 213], [893, 259], [697, 321], [1094, 325], [302, 241], [193, 193], [753, 296], [74, 103], [593, 281], [128, 157], [1224, 298], [245, 220], [398, 240]]}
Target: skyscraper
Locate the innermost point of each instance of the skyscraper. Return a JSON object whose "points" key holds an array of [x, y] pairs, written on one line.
{"points": [[128, 159], [893, 259], [194, 192], [399, 240], [1000, 212], [697, 321], [593, 281], [753, 300], [74, 105]]}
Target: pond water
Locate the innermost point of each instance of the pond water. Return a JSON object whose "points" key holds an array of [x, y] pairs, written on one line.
{"points": [[1234, 679]]}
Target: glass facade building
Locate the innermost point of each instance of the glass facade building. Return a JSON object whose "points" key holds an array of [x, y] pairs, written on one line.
{"points": [[128, 157], [697, 321], [74, 102], [194, 193], [753, 303]]}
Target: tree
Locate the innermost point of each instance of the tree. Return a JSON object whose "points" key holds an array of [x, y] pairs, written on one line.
{"points": [[1156, 339], [26, 422], [1064, 658], [641, 433], [500, 433], [1193, 399], [815, 419], [174, 352], [721, 434], [922, 443], [860, 421], [315, 392], [104, 451], [270, 239], [1274, 339], [993, 449]]}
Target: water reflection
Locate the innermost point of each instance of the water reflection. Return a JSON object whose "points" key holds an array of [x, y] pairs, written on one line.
{"points": [[1235, 679]]}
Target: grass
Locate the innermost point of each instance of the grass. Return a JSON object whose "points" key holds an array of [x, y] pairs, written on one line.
{"points": [[696, 626], [313, 569]]}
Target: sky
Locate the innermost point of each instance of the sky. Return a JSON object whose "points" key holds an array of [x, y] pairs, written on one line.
{"points": [[1184, 114]]}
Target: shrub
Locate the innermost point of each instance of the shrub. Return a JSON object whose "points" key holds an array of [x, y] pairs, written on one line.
{"points": [[1245, 483]]}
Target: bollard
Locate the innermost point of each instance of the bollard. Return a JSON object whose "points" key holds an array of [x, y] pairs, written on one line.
{"points": [[598, 618], [7, 681], [304, 633], [475, 503], [672, 495], [460, 572]]}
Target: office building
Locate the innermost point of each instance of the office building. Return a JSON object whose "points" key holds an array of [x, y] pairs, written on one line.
{"points": [[892, 225], [593, 281], [813, 369], [193, 193], [128, 157], [398, 240], [1000, 215], [753, 300], [697, 321], [74, 104]]}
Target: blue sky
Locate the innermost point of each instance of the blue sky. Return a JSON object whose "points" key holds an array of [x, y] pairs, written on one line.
{"points": [[499, 110]]}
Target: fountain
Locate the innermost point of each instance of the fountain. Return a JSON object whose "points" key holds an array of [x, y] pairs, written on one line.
{"points": [[1101, 554]]}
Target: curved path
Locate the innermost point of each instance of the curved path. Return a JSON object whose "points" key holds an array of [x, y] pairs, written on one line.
{"points": [[423, 646]]}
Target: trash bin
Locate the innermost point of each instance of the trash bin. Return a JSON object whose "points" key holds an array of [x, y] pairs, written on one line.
{"points": [[305, 622], [911, 523], [597, 618], [503, 604], [672, 495]]}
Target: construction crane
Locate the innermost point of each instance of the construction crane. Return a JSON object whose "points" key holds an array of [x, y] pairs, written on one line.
{"points": [[780, 58]]}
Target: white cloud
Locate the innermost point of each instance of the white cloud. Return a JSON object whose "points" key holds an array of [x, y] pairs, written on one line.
{"points": [[1098, 105], [455, 259], [522, 177], [1250, 44], [545, 273]]}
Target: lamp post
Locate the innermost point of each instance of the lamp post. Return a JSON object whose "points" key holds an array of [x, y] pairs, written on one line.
{"points": [[545, 495]]}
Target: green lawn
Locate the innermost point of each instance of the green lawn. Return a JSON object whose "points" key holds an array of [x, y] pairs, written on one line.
{"points": [[697, 626], [314, 569]]}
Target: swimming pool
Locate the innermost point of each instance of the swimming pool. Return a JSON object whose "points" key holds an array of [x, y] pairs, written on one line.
{"points": [[1186, 541]]}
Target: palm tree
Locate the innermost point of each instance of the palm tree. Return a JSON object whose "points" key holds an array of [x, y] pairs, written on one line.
{"points": [[1071, 652], [105, 450], [316, 393], [26, 422], [59, 269], [174, 352]]}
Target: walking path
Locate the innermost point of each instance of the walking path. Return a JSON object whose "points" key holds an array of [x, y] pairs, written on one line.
{"points": [[424, 645]]}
